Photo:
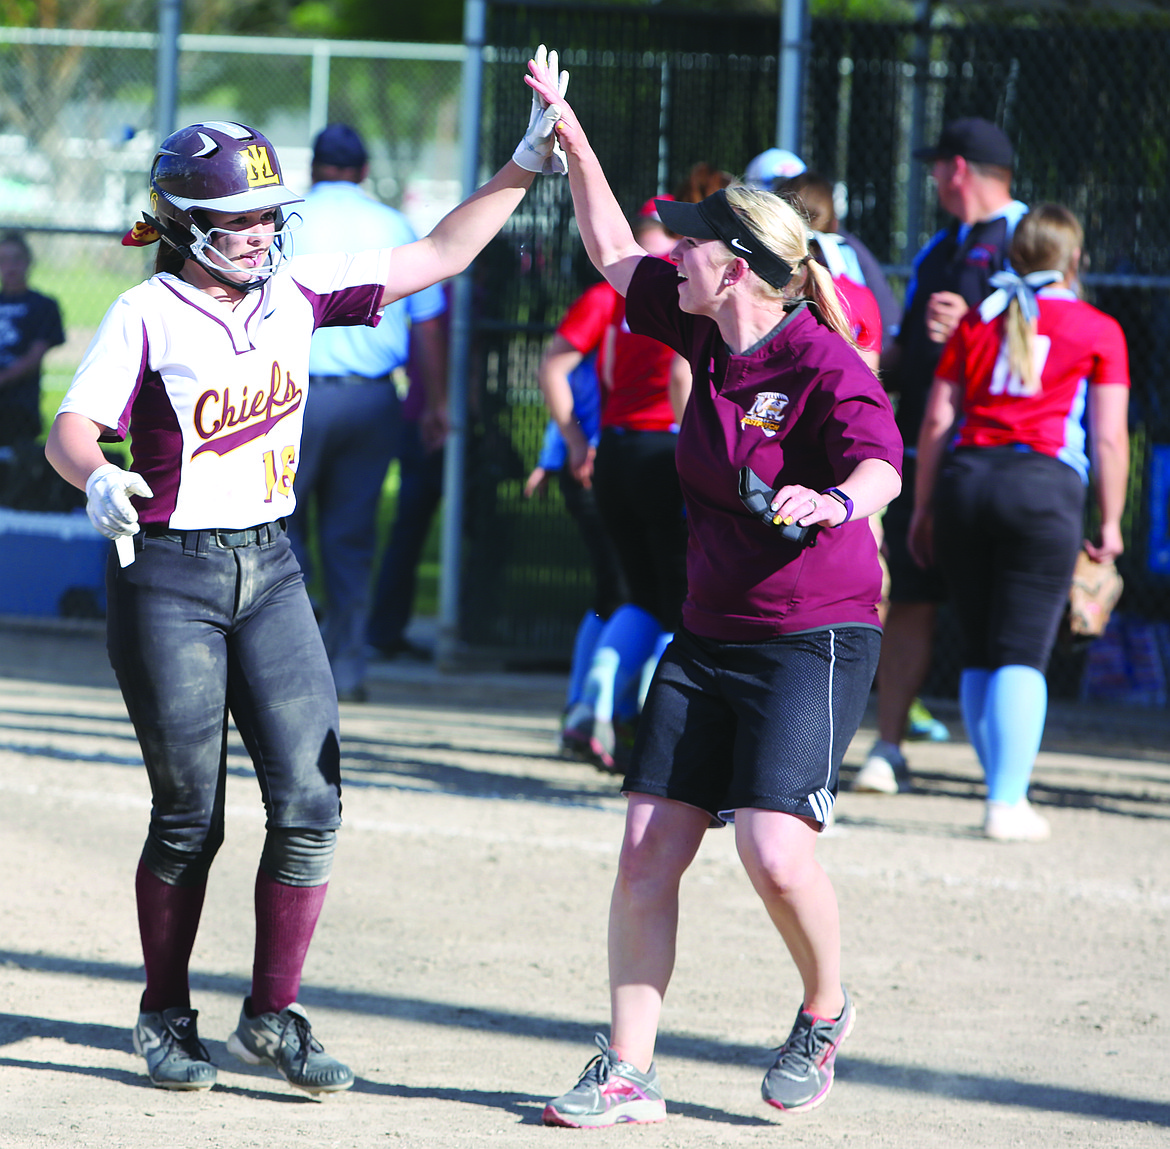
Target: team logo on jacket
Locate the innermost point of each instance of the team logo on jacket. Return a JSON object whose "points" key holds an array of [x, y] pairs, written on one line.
{"points": [[766, 412], [981, 255]]}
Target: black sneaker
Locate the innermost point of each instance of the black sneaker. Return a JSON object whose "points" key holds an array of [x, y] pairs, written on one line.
{"points": [[802, 1074], [285, 1040], [175, 1057]]}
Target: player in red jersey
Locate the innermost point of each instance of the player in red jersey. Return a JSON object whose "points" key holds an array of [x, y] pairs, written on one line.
{"points": [[1004, 512]]}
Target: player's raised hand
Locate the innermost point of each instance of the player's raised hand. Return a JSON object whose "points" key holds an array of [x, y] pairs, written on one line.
{"points": [[539, 150], [107, 500]]}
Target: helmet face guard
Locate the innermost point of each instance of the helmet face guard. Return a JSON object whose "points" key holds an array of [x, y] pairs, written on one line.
{"points": [[216, 166], [196, 238]]}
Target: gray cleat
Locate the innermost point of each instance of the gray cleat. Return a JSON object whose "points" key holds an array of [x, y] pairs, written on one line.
{"points": [[285, 1040], [175, 1057]]}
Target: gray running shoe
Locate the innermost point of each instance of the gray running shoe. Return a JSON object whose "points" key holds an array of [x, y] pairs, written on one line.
{"points": [[610, 1092], [175, 1057], [802, 1074], [285, 1040]]}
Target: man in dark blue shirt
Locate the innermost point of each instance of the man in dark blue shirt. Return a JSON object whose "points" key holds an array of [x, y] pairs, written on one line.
{"points": [[30, 324], [972, 169]]}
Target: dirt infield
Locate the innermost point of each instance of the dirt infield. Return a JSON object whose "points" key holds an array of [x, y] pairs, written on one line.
{"points": [[1006, 995]]}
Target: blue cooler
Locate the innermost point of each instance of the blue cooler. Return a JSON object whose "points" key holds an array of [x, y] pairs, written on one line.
{"points": [[51, 564]]}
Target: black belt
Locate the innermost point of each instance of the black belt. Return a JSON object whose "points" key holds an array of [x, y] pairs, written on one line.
{"points": [[347, 380], [1018, 448], [247, 537]]}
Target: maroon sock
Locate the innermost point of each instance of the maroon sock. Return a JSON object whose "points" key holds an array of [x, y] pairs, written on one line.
{"points": [[168, 919], [285, 919]]}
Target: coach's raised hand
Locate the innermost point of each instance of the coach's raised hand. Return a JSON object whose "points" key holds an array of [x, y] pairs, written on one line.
{"points": [[549, 87], [107, 500], [539, 151]]}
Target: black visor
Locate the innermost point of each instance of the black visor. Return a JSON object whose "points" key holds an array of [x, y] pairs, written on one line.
{"points": [[714, 218]]}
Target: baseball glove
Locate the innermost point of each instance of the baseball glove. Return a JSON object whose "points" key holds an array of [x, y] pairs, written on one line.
{"points": [[1096, 587]]}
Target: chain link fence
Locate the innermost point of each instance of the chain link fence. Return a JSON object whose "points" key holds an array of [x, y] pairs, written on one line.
{"points": [[1073, 84], [77, 139], [661, 91]]}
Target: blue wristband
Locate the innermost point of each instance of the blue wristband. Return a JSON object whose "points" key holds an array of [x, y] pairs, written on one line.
{"points": [[844, 500]]}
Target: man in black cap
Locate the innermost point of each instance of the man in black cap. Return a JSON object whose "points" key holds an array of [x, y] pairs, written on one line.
{"points": [[972, 169], [354, 422]]}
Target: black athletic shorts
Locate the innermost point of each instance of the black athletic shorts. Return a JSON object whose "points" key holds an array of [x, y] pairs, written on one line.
{"points": [[754, 725]]}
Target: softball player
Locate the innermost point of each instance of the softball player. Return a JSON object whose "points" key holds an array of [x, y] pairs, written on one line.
{"points": [[644, 389], [1005, 516], [205, 366], [755, 701]]}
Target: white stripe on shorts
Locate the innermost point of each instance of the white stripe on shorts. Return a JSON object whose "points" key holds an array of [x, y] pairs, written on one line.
{"points": [[821, 800]]}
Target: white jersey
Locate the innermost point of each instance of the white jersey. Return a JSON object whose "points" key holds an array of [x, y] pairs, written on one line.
{"points": [[212, 397]]}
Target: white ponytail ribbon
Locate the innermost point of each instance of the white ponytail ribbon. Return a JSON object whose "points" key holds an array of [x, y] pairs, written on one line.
{"points": [[1010, 286]]}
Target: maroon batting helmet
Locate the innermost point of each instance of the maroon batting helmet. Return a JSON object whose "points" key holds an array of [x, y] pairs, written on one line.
{"points": [[218, 166]]}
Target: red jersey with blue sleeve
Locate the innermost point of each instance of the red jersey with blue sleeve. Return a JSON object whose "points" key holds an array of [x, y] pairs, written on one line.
{"points": [[1077, 347], [799, 407], [634, 371]]}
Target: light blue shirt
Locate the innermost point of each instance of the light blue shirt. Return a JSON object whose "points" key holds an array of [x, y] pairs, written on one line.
{"points": [[339, 216]]}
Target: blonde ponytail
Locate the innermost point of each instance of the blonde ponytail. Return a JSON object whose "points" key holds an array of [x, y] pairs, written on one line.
{"points": [[1021, 345], [785, 233], [1048, 237]]}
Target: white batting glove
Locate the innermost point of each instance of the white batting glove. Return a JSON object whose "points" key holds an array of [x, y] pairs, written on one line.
{"points": [[539, 150], [107, 500]]}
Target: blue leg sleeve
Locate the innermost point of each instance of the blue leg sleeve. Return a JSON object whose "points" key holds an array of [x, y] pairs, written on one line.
{"points": [[584, 645], [973, 702], [650, 665], [625, 642], [1017, 704]]}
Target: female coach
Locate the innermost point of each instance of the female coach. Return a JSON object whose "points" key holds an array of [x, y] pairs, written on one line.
{"points": [[205, 365], [1005, 516], [757, 698]]}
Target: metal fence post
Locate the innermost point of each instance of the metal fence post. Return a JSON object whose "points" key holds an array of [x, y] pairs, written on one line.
{"points": [[170, 19], [319, 88], [790, 89], [915, 183], [459, 362]]}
